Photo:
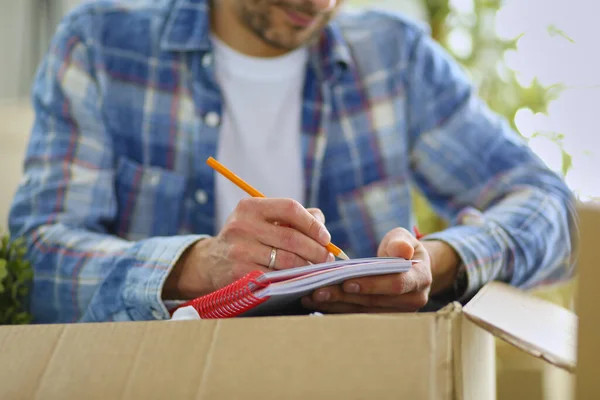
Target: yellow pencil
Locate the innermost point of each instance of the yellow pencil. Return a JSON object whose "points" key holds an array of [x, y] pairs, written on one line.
{"points": [[220, 168]]}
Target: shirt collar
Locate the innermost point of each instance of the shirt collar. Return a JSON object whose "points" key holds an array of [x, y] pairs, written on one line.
{"points": [[187, 28], [330, 53]]}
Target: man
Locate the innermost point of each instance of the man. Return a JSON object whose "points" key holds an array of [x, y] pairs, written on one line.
{"points": [[329, 113]]}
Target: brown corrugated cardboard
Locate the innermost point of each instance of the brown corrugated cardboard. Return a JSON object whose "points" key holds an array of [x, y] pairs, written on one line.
{"points": [[443, 355], [588, 309]]}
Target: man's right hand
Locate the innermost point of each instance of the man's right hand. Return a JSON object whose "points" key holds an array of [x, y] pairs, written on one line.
{"points": [[256, 226]]}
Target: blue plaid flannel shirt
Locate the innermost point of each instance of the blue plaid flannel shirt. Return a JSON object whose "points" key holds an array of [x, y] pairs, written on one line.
{"points": [[127, 108]]}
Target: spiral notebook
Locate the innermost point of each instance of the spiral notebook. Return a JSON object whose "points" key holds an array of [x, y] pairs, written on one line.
{"points": [[268, 293]]}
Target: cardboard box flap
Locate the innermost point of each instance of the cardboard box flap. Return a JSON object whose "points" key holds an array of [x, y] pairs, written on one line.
{"points": [[537, 327]]}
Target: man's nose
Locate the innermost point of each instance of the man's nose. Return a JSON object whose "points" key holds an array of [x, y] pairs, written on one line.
{"points": [[324, 5]]}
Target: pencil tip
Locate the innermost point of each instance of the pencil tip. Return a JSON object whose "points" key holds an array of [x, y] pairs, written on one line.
{"points": [[343, 256]]}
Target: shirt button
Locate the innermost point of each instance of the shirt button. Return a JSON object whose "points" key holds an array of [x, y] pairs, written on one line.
{"points": [[212, 119], [154, 180], [207, 60], [157, 314], [25, 179], [201, 197]]}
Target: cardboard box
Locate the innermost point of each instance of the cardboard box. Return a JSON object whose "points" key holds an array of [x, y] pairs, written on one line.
{"points": [[587, 382], [444, 355]]}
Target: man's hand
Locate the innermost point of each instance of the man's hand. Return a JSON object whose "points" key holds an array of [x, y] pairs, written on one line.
{"points": [[244, 244], [404, 292]]}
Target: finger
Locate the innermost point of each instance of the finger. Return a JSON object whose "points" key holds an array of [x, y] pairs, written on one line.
{"points": [[417, 279], [318, 214], [386, 285], [399, 247], [237, 271], [343, 308], [291, 240], [288, 212], [246, 228], [405, 303], [256, 254], [397, 243], [261, 254]]}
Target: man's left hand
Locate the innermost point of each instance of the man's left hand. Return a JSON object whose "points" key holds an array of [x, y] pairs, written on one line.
{"points": [[404, 292]]}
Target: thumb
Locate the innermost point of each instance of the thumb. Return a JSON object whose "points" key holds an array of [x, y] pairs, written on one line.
{"points": [[399, 248], [318, 214]]}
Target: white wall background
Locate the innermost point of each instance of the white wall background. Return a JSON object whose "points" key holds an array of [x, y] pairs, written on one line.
{"points": [[25, 30]]}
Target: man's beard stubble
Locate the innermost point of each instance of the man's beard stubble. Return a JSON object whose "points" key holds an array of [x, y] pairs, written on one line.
{"points": [[256, 15]]}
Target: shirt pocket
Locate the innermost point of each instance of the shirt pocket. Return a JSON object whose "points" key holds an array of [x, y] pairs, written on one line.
{"points": [[370, 212], [150, 200]]}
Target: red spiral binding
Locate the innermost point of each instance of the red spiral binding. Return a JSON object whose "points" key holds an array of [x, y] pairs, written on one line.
{"points": [[230, 301]]}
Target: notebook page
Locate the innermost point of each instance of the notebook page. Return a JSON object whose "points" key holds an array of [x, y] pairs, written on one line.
{"points": [[292, 273], [324, 278]]}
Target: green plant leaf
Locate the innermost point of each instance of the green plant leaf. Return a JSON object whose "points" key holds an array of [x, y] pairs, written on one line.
{"points": [[3, 269], [553, 30], [22, 318], [14, 293], [15, 276], [567, 162]]}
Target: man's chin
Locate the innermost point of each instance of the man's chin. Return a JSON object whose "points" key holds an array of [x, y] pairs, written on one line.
{"points": [[283, 44], [279, 45]]}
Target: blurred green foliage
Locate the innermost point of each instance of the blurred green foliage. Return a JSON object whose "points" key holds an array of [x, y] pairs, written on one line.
{"points": [[485, 63], [15, 278]]}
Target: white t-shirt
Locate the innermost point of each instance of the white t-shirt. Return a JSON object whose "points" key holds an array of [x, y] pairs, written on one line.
{"points": [[260, 136]]}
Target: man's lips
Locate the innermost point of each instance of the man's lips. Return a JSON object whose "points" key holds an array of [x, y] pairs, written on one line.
{"points": [[299, 19]]}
